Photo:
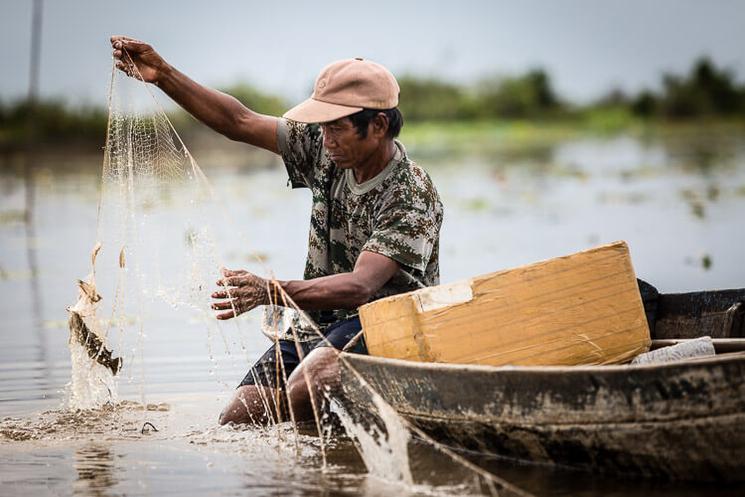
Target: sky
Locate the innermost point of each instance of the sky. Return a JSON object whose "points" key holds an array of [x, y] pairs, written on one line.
{"points": [[587, 46]]}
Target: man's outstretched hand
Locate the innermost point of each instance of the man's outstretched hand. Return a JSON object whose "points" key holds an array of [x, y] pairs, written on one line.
{"points": [[130, 53], [242, 291]]}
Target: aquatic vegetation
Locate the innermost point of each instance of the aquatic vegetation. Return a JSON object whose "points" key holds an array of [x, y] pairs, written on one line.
{"points": [[12, 216], [476, 204], [706, 262]]}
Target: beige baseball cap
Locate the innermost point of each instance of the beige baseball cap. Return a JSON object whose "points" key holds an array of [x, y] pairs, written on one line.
{"points": [[345, 87]]}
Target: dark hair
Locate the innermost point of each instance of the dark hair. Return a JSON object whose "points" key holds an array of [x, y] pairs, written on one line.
{"points": [[362, 119]]}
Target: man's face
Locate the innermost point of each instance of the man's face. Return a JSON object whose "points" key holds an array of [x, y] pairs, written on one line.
{"points": [[345, 146]]}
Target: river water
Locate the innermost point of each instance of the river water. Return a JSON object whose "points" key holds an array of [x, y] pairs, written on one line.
{"points": [[677, 199]]}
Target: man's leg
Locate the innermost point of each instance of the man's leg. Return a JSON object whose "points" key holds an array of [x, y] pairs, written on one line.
{"points": [[319, 372], [253, 404], [260, 398]]}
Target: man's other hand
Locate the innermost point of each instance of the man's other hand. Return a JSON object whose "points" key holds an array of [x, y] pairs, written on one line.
{"points": [[242, 291], [137, 59]]}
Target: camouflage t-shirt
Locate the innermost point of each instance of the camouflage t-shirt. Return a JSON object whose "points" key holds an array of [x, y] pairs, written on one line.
{"points": [[397, 214]]}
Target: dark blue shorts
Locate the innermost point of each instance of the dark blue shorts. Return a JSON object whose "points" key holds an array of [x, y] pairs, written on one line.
{"points": [[266, 371]]}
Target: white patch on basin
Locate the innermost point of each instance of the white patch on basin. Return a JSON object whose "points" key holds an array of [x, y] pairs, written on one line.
{"points": [[437, 297]]}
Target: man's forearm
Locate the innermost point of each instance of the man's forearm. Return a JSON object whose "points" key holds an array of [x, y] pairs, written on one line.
{"points": [[343, 290], [242, 291], [221, 112], [338, 291]]}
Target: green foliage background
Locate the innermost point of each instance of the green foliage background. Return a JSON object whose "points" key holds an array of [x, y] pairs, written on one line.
{"points": [[705, 92]]}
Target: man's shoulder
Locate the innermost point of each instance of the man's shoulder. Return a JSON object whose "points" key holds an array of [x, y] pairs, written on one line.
{"points": [[300, 134], [301, 149], [411, 180]]}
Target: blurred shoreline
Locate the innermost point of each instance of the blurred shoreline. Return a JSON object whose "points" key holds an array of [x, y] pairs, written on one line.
{"points": [[440, 117], [428, 142]]}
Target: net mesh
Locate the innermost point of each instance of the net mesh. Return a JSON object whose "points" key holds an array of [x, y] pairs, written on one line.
{"points": [[155, 254], [145, 164]]}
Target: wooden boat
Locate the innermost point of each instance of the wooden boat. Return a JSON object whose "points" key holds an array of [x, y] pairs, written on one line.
{"points": [[681, 420]]}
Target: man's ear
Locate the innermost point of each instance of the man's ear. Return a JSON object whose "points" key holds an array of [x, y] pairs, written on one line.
{"points": [[379, 125]]}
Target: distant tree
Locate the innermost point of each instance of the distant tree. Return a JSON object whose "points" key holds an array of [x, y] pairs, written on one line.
{"points": [[257, 100], [707, 90], [54, 122], [717, 85], [432, 99], [616, 97], [645, 104], [540, 82], [529, 95]]}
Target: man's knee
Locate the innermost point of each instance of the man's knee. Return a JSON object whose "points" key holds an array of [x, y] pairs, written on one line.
{"points": [[252, 404], [320, 372], [319, 368], [260, 405]]}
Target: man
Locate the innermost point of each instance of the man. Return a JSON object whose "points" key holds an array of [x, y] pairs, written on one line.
{"points": [[374, 227]]}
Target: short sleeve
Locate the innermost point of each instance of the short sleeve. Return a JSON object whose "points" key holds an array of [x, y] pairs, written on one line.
{"points": [[299, 145], [406, 231]]}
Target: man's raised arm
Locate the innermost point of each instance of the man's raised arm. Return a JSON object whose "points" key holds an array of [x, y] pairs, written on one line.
{"points": [[219, 111]]}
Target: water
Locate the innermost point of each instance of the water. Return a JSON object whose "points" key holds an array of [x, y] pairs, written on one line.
{"points": [[384, 454], [677, 199]]}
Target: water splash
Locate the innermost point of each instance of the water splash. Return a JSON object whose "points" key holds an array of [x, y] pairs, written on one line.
{"points": [[386, 455], [93, 366], [112, 421], [91, 384]]}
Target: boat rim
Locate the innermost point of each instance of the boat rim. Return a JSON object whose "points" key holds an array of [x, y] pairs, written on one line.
{"points": [[698, 361]]}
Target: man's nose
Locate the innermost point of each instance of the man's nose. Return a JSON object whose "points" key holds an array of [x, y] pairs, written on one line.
{"points": [[328, 141]]}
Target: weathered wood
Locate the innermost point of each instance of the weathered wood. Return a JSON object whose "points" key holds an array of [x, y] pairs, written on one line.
{"points": [[681, 420], [678, 420], [718, 314]]}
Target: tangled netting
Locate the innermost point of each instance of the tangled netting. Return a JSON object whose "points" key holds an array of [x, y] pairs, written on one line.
{"points": [[145, 161], [154, 243]]}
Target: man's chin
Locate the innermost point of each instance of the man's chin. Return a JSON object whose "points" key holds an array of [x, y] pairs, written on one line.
{"points": [[342, 164]]}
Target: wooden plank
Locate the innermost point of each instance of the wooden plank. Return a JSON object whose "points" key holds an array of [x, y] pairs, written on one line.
{"points": [[584, 308]]}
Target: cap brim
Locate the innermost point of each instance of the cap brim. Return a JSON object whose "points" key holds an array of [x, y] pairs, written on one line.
{"points": [[315, 111]]}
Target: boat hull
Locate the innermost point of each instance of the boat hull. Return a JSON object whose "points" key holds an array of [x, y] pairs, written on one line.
{"points": [[681, 420]]}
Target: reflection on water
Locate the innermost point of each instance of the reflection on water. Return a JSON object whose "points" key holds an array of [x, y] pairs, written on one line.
{"points": [[97, 472], [676, 197], [704, 150]]}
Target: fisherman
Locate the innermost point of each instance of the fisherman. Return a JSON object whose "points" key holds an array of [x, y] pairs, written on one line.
{"points": [[374, 225]]}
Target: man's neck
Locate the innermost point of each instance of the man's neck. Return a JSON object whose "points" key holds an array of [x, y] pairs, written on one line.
{"points": [[375, 163]]}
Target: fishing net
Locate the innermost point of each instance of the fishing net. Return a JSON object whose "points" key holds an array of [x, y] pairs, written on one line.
{"points": [[156, 259], [155, 256]]}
